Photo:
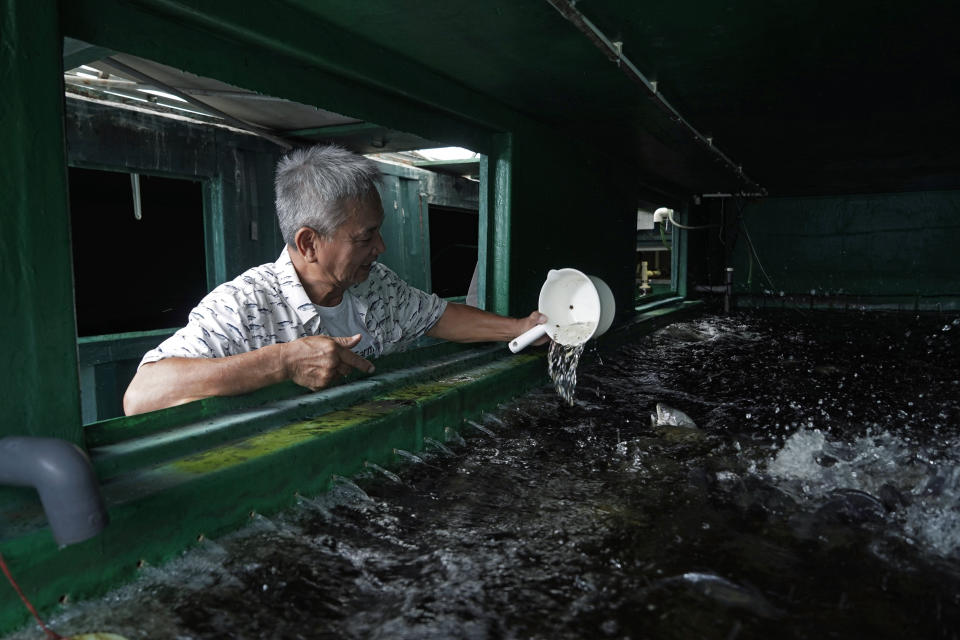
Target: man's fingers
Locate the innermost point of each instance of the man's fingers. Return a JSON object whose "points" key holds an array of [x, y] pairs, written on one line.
{"points": [[539, 318], [355, 361], [348, 342], [349, 357]]}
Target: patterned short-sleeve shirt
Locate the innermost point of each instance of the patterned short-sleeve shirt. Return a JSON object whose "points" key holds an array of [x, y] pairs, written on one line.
{"points": [[267, 305]]}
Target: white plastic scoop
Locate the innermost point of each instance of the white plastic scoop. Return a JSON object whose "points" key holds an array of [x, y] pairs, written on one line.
{"points": [[578, 307]]}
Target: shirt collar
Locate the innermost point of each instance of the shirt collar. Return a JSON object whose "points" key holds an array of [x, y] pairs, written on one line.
{"points": [[292, 290]]}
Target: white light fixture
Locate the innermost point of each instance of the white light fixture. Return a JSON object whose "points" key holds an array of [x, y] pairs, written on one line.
{"points": [[127, 96], [162, 94], [448, 153]]}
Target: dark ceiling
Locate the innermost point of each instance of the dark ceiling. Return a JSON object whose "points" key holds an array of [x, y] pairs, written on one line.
{"points": [[809, 97], [804, 97]]}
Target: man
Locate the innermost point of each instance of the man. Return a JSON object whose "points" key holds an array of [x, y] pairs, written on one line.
{"points": [[317, 313]]}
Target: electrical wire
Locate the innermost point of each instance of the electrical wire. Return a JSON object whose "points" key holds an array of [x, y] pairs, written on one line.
{"points": [[53, 635], [753, 251], [752, 255], [722, 225], [663, 237], [683, 226]]}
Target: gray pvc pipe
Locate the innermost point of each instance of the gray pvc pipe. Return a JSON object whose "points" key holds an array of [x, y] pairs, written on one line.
{"points": [[63, 476]]}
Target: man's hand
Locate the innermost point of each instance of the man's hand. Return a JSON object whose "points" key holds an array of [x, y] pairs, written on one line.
{"points": [[530, 322], [313, 362], [316, 361]]}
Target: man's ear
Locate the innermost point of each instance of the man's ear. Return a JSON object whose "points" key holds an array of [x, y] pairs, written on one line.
{"points": [[306, 243]]}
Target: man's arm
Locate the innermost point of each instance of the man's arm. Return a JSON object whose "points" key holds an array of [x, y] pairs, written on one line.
{"points": [[313, 362], [462, 323]]}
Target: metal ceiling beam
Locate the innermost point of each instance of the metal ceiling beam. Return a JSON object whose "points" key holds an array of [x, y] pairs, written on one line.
{"points": [[78, 52], [614, 52], [111, 83], [334, 130], [237, 122], [233, 94]]}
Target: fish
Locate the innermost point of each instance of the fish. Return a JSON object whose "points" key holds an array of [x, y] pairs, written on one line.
{"points": [[826, 370], [674, 425], [670, 417], [726, 592], [851, 506]]}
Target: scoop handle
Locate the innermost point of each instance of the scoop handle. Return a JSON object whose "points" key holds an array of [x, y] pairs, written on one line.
{"points": [[528, 337]]}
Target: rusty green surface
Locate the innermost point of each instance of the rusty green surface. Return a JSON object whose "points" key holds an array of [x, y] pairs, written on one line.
{"points": [[36, 271], [158, 510]]}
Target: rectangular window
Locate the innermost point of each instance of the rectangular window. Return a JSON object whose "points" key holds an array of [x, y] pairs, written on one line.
{"points": [[453, 249], [138, 250], [148, 248], [654, 261]]}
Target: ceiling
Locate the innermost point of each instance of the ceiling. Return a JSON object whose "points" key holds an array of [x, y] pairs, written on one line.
{"points": [[130, 80], [788, 97], [809, 97]]}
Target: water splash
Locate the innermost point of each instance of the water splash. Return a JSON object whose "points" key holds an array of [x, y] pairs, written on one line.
{"points": [[389, 475], [480, 428], [439, 446], [562, 367], [917, 486], [579, 523], [451, 435], [409, 457], [314, 505], [345, 488], [494, 419], [263, 522]]}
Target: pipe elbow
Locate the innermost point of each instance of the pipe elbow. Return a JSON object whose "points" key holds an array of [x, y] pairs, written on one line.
{"points": [[63, 477]]}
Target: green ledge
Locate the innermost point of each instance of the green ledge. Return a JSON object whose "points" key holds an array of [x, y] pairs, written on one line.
{"points": [[179, 479]]}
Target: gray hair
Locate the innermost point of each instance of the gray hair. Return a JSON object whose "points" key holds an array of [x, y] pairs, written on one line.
{"points": [[312, 184]]}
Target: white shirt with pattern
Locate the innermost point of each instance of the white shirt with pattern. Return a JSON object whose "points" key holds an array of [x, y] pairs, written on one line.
{"points": [[267, 305]]}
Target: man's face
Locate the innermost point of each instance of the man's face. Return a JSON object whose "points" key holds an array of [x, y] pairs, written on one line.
{"points": [[346, 258]]}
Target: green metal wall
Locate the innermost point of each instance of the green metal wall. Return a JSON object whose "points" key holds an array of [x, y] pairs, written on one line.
{"points": [[406, 228], [236, 169], [540, 217], [569, 207], [240, 226], [41, 394], [551, 200], [895, 250], [545, 182]]}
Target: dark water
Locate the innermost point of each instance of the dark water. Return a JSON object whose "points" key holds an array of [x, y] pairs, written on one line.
{"points": [[815, 497]]}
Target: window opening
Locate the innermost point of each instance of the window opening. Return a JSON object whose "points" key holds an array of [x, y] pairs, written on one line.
{"points": [[135, 274], [449, 198], [654, 270], [197, 231], [453, 249]]}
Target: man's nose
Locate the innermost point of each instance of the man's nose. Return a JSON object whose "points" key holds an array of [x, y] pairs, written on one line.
{"points": [[380, 246]]}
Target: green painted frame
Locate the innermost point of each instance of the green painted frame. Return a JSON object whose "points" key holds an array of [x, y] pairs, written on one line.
{"points": [[168, 486], [158, 514]]}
